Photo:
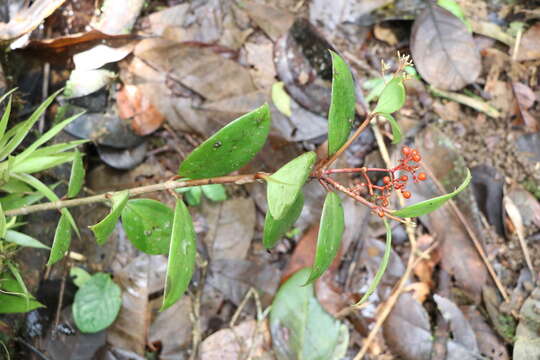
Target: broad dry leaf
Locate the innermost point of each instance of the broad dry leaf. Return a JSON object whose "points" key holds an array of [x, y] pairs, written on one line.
{"points": [[529, 47], [443, 49], [28, 19]]}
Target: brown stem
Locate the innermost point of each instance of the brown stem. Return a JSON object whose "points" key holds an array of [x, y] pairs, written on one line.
{"points": [[167, 185]]}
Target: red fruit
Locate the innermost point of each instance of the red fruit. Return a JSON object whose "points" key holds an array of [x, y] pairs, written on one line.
{"points": [[414, 152], [422, 176], [384, 203], [416, 158], [386, 180], [398, 186], [404, 178], [406, 194], [380, 213], [406, 150]]}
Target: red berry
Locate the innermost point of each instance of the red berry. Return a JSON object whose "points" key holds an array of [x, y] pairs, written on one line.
{"points": [[406, 150], [380, 213], [414, 152], [404, 178], [406, 194], [386, 180], [363, 184], [398, 186], [384, 203], [416, 158], [422, 176]]}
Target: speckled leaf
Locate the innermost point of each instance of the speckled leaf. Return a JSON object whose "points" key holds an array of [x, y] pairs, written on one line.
{"points": [[275, 229], [430, 205], [105, 227], [301, 328], [342, 106], [285, 184], [396, 130], [182, 254], [392, 97], [97, 303], [62, 239], [76, 178], [230, 148], [148, 225], [330, 233]]}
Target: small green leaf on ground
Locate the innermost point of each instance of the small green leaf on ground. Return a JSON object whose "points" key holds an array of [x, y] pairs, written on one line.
{"points": [[230, 148], [79, 275], [62, 239], [392, 97], [215, 192], [396, 130], [284, 186], [97, 303], [148, 225], [182, 253], [382, 267], [76, 179], [281, 99], [12, 299], [430, 205], [275, 229], [105, 227], [456, 10], [301, 328], [342, 106], [330, 233], [24, 240]]}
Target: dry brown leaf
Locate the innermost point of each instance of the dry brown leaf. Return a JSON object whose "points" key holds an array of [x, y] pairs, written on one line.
{"points": [[132, 103], [245, 341], [529, 47], [273, 21], [443, 49], [525, 98], [425, 268], [385, 34]]}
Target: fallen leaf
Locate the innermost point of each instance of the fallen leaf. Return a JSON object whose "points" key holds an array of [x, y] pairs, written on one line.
{"points": [[489, 343], [527, 204], [117, 18], [425, 267], [100, 55], [28, 18], [133, 103], [157, 22], [525, 98], [440, 40], [272, 20], [528, 330], [529, 47], [245, 341], [231, 227]]}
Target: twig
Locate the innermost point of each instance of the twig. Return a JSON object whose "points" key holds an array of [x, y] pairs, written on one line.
{"points": [[167, 185]]}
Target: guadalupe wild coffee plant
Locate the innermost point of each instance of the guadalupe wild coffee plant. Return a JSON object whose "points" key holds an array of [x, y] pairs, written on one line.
{"points": [[154, 228]]}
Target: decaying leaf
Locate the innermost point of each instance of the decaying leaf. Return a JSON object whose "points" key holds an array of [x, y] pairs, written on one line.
{"points": [[443, 49], [529, 47]]}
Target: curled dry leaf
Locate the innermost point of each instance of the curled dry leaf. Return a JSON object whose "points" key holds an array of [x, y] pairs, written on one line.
{"points": [[529, 47], [133, 104], [525, 98], [443, 49]]}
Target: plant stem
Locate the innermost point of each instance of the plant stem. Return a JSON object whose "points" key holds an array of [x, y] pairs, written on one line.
{"points": [[167, 185]]}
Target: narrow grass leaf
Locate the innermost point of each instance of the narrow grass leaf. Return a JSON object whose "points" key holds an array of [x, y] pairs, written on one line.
{"points": [[342, 105], [392, 97], [230, 148], [21, 239], [76, 179], [62, 239], [330, 233], [275, 229], [382, 267], [103, 229], [182, 253], [5, 117], [430, 205], [396, 130], [285, 184]]}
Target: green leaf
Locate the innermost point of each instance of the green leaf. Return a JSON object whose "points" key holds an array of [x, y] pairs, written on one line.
{"points": [[17, 134], [12, 299], [43, 139], [96, 304], [21, 239], [330, 233], [301, 328], [281, 99], [2, 223], [427, 206], [57, 148], [17, 200], [105, 227], [192, 195], [396, 130], [456, 10], [35, 164], [182, 253], [62, 239], [230, 148], [392, 97], [79, 275], [148, 225], [342, 106], [5, 116], [48, 193], [76, 179], [284, 186], [382, 267], [215, 192], [275, 229]]}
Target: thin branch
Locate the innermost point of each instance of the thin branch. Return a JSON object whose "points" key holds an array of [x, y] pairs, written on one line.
{"points": [[167, 185]]}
